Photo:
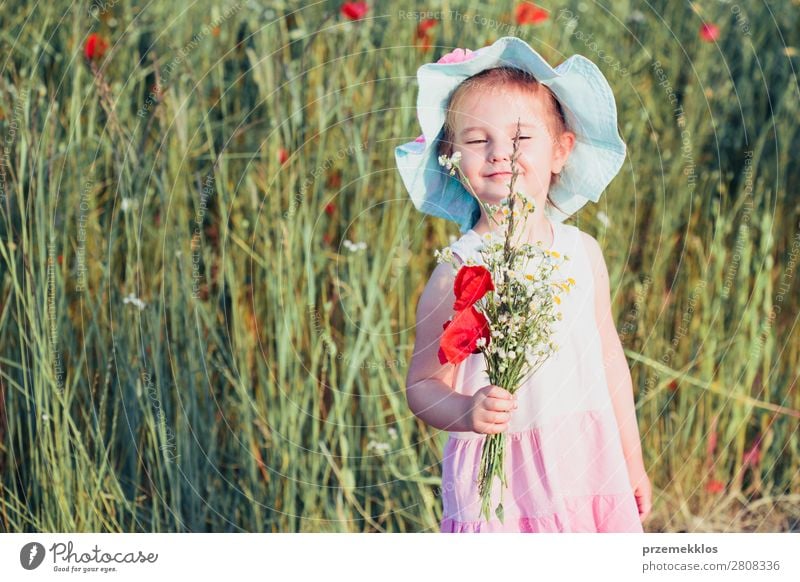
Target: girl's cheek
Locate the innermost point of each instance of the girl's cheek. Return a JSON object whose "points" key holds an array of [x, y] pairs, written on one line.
{"points": [[470, 155]]}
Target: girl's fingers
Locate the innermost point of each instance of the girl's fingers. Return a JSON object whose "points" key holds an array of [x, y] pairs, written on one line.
{"points": [[500, 404], [501, 417], [498, 392], [492, 422], [494, 417]]}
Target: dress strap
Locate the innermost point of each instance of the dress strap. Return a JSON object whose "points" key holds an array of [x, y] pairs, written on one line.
{"points": [[467, 247]]}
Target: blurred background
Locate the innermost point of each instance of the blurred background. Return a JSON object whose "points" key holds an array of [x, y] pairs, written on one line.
{"points": [[209, 267]]}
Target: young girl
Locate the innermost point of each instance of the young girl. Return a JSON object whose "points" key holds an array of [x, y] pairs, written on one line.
{"points": [[573, 458]]}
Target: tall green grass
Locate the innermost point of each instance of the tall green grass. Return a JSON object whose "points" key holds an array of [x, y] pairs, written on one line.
{"points": [[261, 387]]}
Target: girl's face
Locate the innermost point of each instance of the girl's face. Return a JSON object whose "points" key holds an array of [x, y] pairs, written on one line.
{"points": [[484, 128]]}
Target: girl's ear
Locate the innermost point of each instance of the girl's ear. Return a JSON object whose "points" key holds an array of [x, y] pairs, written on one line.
{"points": [[563, 148]]}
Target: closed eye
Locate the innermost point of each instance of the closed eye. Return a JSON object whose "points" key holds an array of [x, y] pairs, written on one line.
{"points": [[484, 141]]}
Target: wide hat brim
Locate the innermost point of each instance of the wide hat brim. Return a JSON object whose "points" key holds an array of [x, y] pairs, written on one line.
{"points": [[589, 107]]}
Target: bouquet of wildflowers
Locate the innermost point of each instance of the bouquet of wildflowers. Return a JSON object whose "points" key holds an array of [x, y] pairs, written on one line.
{"points": [[505, 309]]}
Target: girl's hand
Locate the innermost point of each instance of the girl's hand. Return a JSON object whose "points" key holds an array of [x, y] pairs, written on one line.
{"points": [[491, 409], [643, 493]]}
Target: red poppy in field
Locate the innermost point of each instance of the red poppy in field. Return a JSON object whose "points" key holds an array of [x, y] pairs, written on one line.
{"points": [[471, 284], [424, 26], [461, 335], [424, 40], [330, 208], [715, 486], [283, 155], [354, 10], [709, 32], [95, 46], [527, 13], [752, 456]]}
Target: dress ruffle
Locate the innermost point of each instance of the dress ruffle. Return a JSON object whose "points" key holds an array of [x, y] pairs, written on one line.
{"points": [[588, 514]]}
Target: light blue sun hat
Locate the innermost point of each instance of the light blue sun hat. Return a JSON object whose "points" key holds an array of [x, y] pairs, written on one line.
{"points": [[589, 108]]}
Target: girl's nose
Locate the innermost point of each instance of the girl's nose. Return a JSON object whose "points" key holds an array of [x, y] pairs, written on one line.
{"points": [[500, 152]]}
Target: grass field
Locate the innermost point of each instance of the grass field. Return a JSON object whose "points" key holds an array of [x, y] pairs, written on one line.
{"points": [[193, 339]]}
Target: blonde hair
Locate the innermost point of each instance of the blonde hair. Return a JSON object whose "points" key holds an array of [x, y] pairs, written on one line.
{"points": [[501, 78]]}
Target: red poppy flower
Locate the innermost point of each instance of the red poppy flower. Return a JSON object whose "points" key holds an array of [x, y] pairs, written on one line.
{"points": [[283, 156], [354, 10], [470, 285], [709, 32], [715, 486], [330, 208], [424, 26], [527, 13], [753, 455], [461, 335], [95, 46]]}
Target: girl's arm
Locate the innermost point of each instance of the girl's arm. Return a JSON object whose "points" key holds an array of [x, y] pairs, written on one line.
{"points": [[620, 386], [429, 384], [618, 374]]}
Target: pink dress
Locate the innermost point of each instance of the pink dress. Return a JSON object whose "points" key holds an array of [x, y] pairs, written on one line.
{"points": [[563, 459]]}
